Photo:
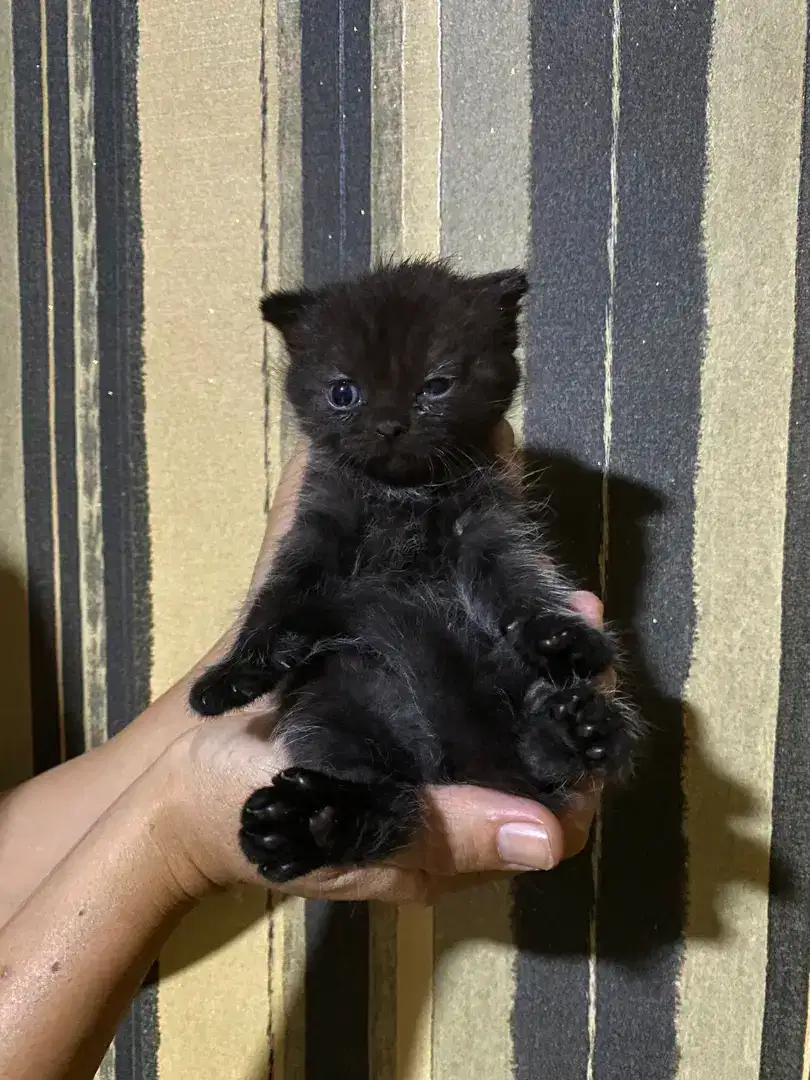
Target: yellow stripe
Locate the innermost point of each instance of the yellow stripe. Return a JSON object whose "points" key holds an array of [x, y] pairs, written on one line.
{"points": [[754, 121], [15, 704], [806, 1061], [420, 204], [199, 104], [485, 223], [88, 435], [421, 127], [406, 149], [281, 155], [288, 987]]}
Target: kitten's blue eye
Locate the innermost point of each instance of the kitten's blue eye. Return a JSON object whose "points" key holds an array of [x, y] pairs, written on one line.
{"points": [[343, 394], [436, 388]]}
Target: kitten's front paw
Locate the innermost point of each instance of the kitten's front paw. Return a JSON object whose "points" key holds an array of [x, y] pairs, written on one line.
{"points": [[574, 730], [248, 673], [228, 686], [308, 819], [559, 646]]}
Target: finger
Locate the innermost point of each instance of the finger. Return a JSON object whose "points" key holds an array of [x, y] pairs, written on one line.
{"points": [[282, 511], [503, 439], [577, 818], [589, 606], [471, 830], [390, 884]]}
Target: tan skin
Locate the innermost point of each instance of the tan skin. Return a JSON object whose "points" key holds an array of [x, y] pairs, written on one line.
{"points": [[101, 857]]}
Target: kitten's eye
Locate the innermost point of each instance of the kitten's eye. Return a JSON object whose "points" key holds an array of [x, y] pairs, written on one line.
{"points": [[343, 394], [436, 388]]}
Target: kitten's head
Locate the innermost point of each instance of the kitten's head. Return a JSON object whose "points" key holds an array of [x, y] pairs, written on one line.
{"points": [[404, 371]]}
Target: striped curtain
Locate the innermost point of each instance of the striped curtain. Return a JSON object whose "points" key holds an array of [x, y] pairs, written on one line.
{"points": [[649, 161]]}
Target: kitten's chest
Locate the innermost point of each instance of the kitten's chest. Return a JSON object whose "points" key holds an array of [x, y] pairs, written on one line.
{"points": [[406, 541]]}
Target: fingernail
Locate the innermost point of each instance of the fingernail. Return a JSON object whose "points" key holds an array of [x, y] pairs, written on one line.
{"points": [[524, 845]]}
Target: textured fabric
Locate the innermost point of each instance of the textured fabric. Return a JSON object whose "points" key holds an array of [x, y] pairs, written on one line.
{"points": [[649, 161]]}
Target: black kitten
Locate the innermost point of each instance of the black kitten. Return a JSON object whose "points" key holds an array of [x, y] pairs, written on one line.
{"points": [[414, 628]]}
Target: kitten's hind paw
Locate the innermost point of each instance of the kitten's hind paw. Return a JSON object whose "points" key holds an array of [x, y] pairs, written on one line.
{"points": [[559, 646], [575, 730], [307, 819]]}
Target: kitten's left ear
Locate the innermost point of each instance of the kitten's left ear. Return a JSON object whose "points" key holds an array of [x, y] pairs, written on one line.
{"points": [[284, 308], [507, 286]]}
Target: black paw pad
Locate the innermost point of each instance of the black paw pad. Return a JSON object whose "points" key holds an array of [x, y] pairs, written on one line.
{"points": [[308, 819], [584, 723]]}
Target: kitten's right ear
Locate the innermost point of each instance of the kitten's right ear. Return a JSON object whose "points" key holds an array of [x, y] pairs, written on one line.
{"points": [[284, 308]]}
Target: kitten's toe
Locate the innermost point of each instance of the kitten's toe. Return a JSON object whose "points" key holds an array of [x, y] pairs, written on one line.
{"points": [[307, 819], [559, 646]]}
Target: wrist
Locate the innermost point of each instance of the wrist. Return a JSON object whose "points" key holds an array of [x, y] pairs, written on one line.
{"points": [[173, 842]]}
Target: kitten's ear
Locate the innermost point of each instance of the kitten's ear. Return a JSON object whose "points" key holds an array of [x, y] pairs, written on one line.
{"points": [[507, 286], [283, 309]]}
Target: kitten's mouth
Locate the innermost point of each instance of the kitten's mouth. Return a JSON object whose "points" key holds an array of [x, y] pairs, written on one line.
{"points": [[401, 468]]}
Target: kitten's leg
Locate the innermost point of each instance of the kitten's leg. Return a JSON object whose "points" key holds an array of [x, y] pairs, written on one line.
{"points": [[569, 727], [280, 632], [307, 819], [526, 602], [352, 797], [291, 613], [566, 734]]}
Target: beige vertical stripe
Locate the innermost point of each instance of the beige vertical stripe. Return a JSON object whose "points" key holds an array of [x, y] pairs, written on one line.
{"points": [[86, 359], [281, 158], [415, 960], [421, 127], [288, 947], [386, 17], [405, 156], [485, 170], [806, 1061], [383, 991], [199, 103], [754, 121], [386, 129], [88, 435], [282, 215], [420, 210], [15, 707]]}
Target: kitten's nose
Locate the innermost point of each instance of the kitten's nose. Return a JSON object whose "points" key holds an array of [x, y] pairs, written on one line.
{"points": [[390, 429]]}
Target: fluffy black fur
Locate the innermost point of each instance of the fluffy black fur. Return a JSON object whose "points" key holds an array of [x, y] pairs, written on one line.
{"points": [[412, 624]]}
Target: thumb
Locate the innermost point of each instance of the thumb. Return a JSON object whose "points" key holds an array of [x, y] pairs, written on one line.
{"points": [[472, 830]]}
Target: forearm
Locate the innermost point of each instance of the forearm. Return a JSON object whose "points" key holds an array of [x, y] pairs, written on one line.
{"points": [[42, 819], [74, 954]]}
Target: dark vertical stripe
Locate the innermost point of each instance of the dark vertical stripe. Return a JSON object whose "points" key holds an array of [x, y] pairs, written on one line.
{"points": [[125, 512], [786, 1004], [660, 302], [125, 515], [565, 322], [61, 210], [336, 143], [29, 132], [336, 138]]}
